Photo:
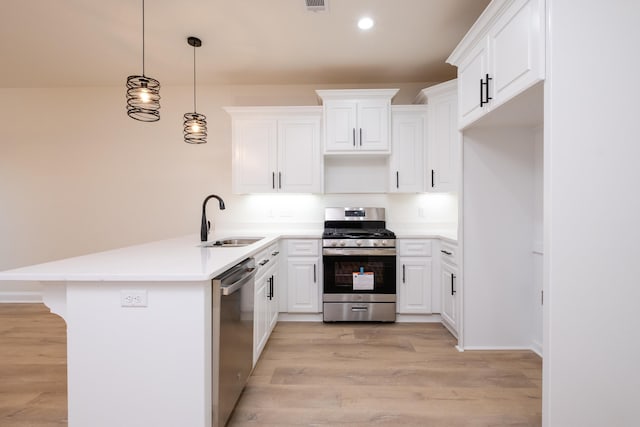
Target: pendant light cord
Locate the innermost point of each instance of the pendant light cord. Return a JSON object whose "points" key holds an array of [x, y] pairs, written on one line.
{"points": [[194, 79], [143, 37]]}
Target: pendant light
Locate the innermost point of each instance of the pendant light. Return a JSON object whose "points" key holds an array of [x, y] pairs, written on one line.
{"points": [[143, 93], [195, 125]]}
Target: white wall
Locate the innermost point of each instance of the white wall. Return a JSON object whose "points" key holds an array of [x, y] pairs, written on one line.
{"points": [[78, 176], [498, 222], [592, 208]]}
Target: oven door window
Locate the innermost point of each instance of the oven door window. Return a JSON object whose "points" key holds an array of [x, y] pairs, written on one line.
{"points": [[339, 269]]}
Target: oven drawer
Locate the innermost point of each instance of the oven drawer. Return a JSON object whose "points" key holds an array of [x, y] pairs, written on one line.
{"points": [[359, 312], [414, 247]]}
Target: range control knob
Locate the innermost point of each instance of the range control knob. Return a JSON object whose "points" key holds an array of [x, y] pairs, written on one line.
{"points": [[359, 242], [342, 243], [384, 243], [334, 243], [376, 243]]}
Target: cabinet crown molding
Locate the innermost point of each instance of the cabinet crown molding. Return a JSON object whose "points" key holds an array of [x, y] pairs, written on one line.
{"points": [[479, 29], [356, 94], [436, 90]]}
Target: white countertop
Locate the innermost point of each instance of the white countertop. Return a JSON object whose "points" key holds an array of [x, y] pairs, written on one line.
{"points": [[179, 259], [173, 260]]}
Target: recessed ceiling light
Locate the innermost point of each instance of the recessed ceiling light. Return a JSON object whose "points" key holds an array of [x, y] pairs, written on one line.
{"points": [[365, 23]]}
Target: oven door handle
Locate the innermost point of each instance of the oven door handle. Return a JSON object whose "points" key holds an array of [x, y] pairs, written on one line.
{"points": [[359, 251]]}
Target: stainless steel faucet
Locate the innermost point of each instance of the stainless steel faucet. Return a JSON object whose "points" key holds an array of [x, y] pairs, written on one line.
{"points": [[205, 226]]}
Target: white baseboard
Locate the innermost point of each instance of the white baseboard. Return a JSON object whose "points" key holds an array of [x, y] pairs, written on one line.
{"points": [[498, 348], [418, 318], [30, 297], [400, 318], [536, 347], [300, 317]]}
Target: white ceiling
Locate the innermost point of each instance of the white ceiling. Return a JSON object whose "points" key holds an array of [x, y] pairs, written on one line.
{"points": [[48, 43]]}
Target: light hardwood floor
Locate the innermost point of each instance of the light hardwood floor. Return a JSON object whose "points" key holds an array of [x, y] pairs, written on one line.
{"points": [[310, 374]]}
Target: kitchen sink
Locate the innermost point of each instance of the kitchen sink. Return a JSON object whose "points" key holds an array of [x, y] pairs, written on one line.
{"points": [[232, 242]]}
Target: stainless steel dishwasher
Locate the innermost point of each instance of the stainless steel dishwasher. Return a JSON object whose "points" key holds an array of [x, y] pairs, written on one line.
{"points": [[232, 341]]}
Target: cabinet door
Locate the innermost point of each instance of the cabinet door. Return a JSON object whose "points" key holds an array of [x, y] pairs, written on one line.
{"points": [[303, 285], [272, 309], [444, 140], [260, 322], [255, 156], [414, 285], [471, 70], [449, 295], [516, 47], [407, 157], [340, 126], [299, 159], [372, 133]]}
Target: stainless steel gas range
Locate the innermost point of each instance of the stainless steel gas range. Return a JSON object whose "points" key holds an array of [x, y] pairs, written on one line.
{"points": [[359, 262]]}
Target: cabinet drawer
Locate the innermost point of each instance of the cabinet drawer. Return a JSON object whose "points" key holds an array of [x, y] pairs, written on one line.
{"points": [[303, 247], [448, 253], [267, 257], [414, 247]]}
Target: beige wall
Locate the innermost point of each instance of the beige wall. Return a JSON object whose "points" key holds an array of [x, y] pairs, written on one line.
{"points": [[78, 176]]}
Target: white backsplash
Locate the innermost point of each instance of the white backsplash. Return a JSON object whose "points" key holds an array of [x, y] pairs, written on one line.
{"points": [[307, 210]]}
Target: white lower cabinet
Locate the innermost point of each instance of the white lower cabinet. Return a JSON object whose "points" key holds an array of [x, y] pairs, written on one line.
{"points": [[303, 276], [414, 277], [449, 286], [265, 314]]}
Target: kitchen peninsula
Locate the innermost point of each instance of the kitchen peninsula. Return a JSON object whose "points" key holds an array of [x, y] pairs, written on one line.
{"points": [[146, 361]]}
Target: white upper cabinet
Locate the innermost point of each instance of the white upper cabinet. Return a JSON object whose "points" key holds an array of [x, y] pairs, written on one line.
{"points": [[501, 56], [408, 141], [276, 149], [443, 137], [357, 121]]}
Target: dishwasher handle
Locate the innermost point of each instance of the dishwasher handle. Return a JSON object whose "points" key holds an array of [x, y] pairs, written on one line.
{"points": [[235, 286]]}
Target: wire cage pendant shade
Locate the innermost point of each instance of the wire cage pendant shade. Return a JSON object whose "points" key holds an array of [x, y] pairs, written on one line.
{"points": [[143, 92], [195, 124]]}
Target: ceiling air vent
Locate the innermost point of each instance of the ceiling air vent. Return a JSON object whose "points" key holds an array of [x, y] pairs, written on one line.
{"points": [[316, 5]]}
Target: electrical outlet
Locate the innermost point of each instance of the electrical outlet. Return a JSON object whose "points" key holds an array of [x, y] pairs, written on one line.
{"points": [[420, 212], [133, 298]]}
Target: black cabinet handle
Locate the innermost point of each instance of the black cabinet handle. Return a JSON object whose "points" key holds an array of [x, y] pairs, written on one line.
{"points": [[273, 180], [275, 253], [314, 273], [403, 274], [270, 292], [433, 184], [279, 179], [263, 262], [453, 291], [354, 137], [485, 98], [397, 179], [445, 252], [360, 137]]}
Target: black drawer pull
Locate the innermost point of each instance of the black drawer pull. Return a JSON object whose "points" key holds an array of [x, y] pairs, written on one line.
{"points": [[445, 252]]}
